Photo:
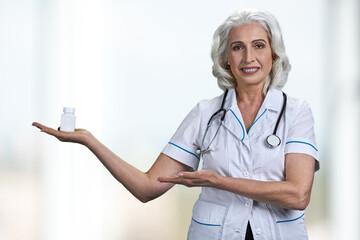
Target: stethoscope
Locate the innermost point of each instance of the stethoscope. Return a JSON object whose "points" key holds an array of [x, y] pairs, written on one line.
{"points": [[272, 140]]}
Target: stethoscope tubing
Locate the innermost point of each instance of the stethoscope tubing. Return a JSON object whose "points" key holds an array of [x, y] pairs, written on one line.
{"points": [[272, 140], [222, 109], [281, 113]]}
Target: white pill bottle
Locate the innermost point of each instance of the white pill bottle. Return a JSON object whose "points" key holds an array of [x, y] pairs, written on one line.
{"points": [[68, 120]]}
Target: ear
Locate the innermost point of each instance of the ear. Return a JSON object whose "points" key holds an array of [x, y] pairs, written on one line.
{"points": [[274, 56], [227, 66]]}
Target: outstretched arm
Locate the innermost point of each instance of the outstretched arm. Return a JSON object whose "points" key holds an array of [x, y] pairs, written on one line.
{"points": [[143, 185], [292, 193]]}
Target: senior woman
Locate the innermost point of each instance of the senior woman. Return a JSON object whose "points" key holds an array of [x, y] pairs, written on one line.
{"points": [[253, 186]]}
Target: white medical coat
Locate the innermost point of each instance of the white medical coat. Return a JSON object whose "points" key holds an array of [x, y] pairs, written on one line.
{"points": [[219, 214]]}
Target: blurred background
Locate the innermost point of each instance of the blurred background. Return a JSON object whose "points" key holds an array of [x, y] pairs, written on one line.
{"points": [[133, 70]]}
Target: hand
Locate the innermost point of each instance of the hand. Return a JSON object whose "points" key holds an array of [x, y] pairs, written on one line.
{"points": [[202, 178], [78, 136]]}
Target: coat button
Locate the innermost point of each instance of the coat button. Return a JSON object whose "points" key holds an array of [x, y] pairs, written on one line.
{"points": [[258, 231], [247, 204], [246, 173]]}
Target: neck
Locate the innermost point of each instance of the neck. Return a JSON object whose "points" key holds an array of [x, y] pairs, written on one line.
{"points": [[249, 95]]}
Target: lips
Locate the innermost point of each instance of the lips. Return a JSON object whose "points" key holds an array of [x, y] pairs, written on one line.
{"points": [[250, 70]]}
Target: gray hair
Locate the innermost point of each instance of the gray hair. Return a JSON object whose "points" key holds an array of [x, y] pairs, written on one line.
{"points": [[280, 65]]}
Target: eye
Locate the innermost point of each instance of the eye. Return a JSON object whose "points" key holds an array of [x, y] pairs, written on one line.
{"points": [[237, 47], [259, 45]]}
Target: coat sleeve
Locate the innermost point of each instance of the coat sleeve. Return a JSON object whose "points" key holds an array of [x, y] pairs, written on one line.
{"points": [[301, 137], [185, 142]]}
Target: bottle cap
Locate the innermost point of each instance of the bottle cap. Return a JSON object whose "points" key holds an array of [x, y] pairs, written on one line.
{"points": [[69, 110]]}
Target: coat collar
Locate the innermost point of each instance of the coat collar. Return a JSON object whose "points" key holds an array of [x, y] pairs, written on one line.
{"points": [[268, 111], [273, 100]]}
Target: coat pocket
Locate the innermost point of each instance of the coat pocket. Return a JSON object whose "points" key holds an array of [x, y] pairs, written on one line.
{"points": [[207, 221], [291, 225]]}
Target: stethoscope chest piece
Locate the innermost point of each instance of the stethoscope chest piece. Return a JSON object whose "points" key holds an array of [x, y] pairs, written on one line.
{"points": [[273, 141]]}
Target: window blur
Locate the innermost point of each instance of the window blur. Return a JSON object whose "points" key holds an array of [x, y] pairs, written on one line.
{"points": [[133, 70]]}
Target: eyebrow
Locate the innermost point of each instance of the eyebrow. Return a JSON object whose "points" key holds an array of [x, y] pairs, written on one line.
{"points": [[255, 40]]}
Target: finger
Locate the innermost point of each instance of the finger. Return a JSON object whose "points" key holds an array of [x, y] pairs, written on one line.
{"points": [[46, 129], [173, 181], [188, 175], [43, 128], [38, 125], [168, 179], [176, 177], [179, 178], [186, 182], [183, 181]]}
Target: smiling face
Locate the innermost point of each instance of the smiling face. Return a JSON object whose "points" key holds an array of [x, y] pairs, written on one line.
{"points": [[249, 54]]}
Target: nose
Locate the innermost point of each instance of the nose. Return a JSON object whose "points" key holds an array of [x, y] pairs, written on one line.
{"points": [[249, 55]]}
